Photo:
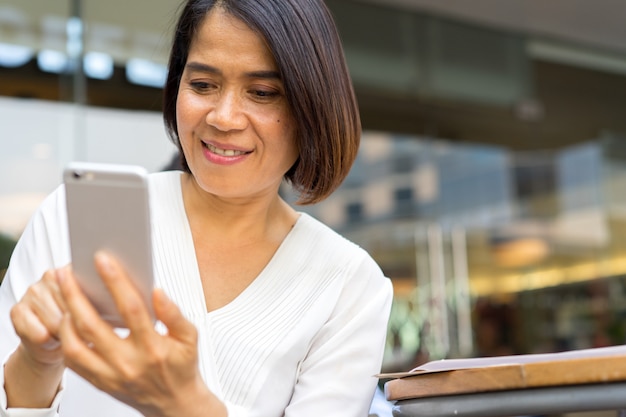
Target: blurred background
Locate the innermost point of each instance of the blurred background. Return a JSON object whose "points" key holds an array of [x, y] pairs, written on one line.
{"points": [[490, 184]]}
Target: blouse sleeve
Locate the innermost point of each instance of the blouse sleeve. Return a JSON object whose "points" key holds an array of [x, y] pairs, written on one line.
{"points": [[43, 245], [337, 376]]}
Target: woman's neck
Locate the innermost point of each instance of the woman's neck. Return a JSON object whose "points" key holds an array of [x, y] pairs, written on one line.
{"points": [[241, 221]]}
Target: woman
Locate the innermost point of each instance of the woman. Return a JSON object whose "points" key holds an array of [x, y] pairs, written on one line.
{"points": [[265, 311]]}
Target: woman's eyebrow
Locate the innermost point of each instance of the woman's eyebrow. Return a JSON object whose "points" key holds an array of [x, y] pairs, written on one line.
{"points": [[200, 67], [264, 74]]}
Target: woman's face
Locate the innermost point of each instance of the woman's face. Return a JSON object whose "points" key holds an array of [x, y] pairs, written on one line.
{"points": [[235, 125]]}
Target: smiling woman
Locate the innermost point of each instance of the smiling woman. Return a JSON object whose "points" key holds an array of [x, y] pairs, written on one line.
{"points": [[320, 97], [232, 111], [262, 309]]}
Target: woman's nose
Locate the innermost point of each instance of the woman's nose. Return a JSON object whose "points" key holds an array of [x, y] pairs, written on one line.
{"points": [[226, 113]]}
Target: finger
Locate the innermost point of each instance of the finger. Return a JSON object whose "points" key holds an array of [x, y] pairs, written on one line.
{"points": [[40, 307], [88, 324], [56, 290], [46, 302], [30, 329], [80, 357], [128, 301], [169, 314]]}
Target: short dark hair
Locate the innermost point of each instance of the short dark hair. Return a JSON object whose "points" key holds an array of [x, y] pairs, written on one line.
{"points": [[303, 38]]}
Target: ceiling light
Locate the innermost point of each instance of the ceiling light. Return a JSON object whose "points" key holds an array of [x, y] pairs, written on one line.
{"points": [[52, 61], [146, 73], [98, 65], [13, 56]]}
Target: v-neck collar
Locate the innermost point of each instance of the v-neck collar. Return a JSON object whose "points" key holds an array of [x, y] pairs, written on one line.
{"points": [[187, 289]]}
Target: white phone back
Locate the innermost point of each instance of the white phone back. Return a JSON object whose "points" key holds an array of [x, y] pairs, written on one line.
{"points": [[108, 209]]}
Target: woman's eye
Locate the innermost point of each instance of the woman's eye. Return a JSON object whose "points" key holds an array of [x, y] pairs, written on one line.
{"points": [[264, 94], [200, 85]]}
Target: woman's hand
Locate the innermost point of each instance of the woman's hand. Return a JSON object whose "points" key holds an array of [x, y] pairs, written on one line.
{"points": [[37, 319], [33, 373], [156, 374]]}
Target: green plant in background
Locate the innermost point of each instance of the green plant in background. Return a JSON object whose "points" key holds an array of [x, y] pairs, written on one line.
{"points": [[7, 245]]}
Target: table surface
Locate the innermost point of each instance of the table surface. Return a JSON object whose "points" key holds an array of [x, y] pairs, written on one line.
{"points": [[586, 380]]}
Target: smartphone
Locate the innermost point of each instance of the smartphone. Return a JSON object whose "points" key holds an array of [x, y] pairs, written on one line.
{"points": [[108, 209]]}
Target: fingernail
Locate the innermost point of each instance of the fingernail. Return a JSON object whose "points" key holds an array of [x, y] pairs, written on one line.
{"points": [[60, 275], [159, 296], [104, 261]]}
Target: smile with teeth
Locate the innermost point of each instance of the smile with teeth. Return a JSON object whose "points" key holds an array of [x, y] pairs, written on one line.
{"points": [[224, 152]]}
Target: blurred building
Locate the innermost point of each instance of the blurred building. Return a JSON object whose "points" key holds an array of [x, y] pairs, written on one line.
{"points": [[490, 181]]}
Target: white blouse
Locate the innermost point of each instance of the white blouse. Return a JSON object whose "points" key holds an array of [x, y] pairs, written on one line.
{"points": [[305, 338]]}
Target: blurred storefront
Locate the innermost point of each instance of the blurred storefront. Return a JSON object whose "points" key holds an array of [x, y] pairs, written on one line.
{"points": [[491, 251], [489, 185]]}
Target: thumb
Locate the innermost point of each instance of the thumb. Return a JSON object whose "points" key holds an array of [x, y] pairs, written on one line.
{"points": [[178, 327]]}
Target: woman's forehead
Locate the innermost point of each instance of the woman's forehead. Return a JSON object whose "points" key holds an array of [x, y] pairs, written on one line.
{"points": [[221, 37]]}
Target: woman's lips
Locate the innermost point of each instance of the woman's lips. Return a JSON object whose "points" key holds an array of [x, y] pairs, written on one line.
{"points": [[223, 156], [224, 152]]}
